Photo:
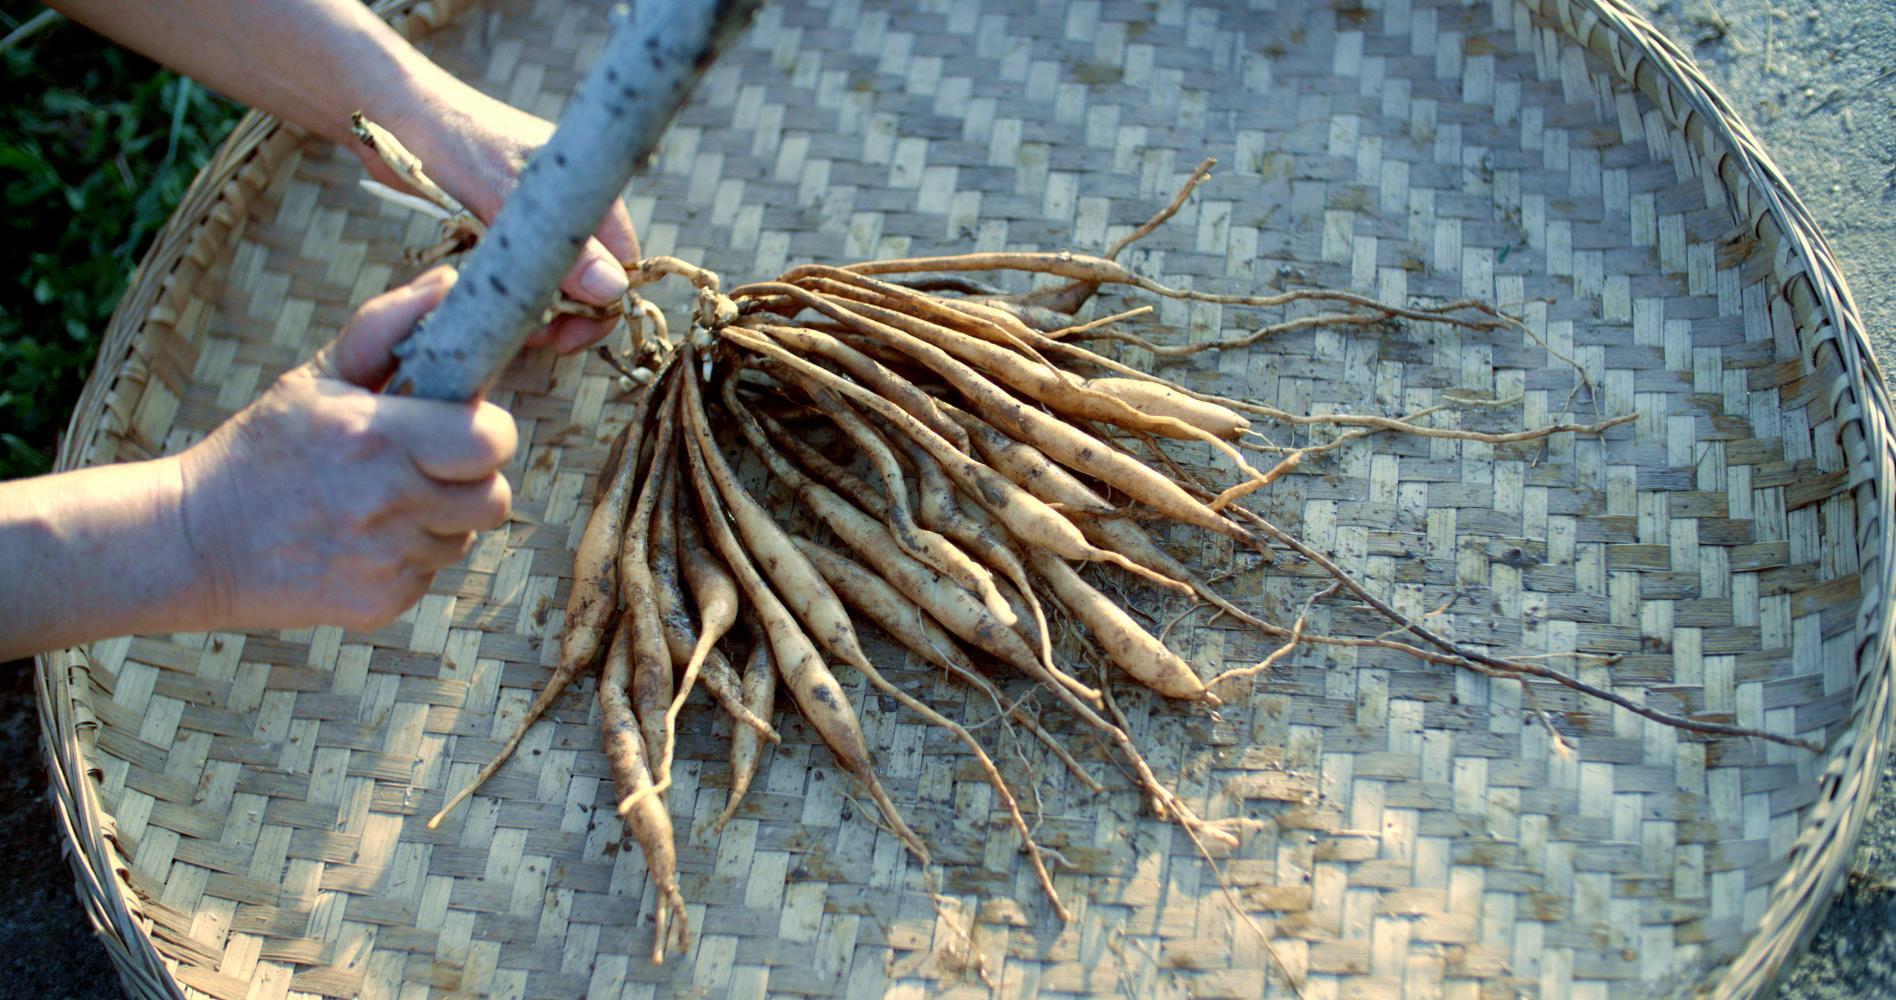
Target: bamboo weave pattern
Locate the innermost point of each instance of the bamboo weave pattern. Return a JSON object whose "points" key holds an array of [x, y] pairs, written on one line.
{"points": [[266, 793]]}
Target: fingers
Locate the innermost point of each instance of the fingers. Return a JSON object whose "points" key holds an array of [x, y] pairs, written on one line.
{"points": [[449, 442], [456, 509], [616, 234], [432, 553], [363, 354], [573, 333], [386, 603], [597, 277], [455, 485], [541, 337]]}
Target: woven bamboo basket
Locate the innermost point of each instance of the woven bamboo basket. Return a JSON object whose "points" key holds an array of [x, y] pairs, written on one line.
{"points": [[245, 812]]}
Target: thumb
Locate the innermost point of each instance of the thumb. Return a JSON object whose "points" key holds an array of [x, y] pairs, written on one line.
{"points": [[363, 353]]}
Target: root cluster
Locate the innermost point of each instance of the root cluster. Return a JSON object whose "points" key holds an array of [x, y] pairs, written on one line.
{"points": [[971, 475]]}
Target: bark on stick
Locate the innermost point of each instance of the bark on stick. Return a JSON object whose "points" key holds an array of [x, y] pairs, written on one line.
{"points": [[656, 51]]}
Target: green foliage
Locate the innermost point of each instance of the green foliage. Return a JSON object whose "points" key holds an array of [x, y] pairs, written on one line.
{"points": [[96, 147]]}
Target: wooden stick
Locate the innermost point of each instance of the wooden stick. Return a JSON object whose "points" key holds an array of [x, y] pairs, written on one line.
{"points": [[609, 128]]}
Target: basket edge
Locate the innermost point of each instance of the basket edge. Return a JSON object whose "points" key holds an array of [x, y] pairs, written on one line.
{"points": [[1768, 203]]}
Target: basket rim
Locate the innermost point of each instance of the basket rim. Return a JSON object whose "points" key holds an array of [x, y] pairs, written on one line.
{"points": [[1644, 56], [1807, 275]]}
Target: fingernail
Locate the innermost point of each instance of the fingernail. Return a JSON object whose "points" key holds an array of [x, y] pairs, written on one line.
{"points": [[439, 277], [602, 281]]}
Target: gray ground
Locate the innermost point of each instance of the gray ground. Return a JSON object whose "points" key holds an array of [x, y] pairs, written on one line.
{"points": [[1816, 81], [46, 947]]}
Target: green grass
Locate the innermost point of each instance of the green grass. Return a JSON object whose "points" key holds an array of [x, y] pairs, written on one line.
{"points": [[96, 147]]}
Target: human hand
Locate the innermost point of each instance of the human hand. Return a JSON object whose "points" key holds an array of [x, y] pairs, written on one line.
{"points": [[326, 503], [475, 147]]}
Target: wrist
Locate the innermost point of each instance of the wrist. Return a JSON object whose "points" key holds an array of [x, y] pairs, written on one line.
{"points": [[204, 521], [471, 144], [166, 586], [421, 106], [406, 99], [100, 552]]}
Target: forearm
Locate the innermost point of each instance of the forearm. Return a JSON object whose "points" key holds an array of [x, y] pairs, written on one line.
{"points": [[96, 553], [312, 62]]}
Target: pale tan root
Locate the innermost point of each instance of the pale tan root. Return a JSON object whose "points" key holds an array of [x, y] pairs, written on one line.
{"points": [[906, 623], [1154, 398], [873, 374], [650, 824], [1128, 645], [592, 602], [647, 270], [812, 686], [716, 596], [687, 644], [1024, 516], [926, 545], [956, 609], [966, 362], [652, 682], [825, 618], [760, 697], [942, 510], [1090, 325], [718, 677], [1019, 512], [888, 561]]}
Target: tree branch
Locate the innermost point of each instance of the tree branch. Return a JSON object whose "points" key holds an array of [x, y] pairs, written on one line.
{"points": [[610, 128]]}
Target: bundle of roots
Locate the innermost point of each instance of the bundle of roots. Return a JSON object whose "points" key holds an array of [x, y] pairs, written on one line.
{"points": [[986, 475]]}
